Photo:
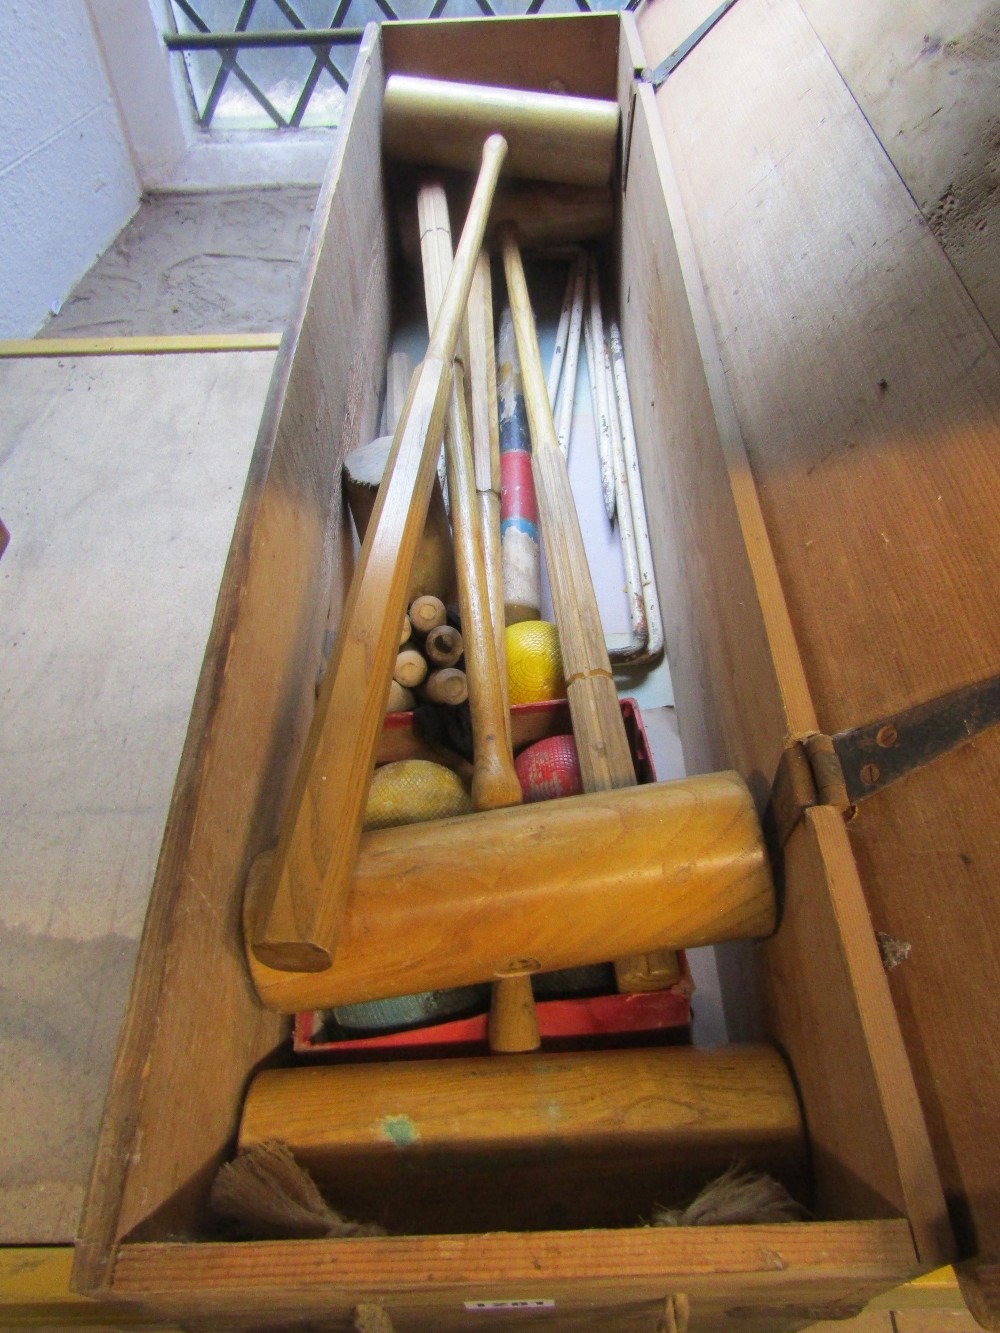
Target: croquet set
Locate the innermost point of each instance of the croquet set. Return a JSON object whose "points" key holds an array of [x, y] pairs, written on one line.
{"points": [[512, 1154]]}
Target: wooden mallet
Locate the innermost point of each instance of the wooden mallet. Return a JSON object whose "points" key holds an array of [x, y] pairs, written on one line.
{"points": [[538, 888], [552, 136], [318, 842], [605, 759]]}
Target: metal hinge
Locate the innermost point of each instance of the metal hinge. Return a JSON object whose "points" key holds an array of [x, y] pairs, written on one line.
{"points": [[809, 773], [665, 68], [844, 769], [882, 752]]}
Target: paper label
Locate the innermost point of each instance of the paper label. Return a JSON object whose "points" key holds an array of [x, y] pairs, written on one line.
{"points": [[486, 1307]]}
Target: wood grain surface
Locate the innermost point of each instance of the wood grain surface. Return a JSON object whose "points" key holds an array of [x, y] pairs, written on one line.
{"points": [[925, 76], [927, 850], [318, 843], [484, 416], [867, 388], [254, 700], [771, 1273], [571, 57], [540, 887], [734, 661], [868, 391], [871, 1151], [530, 1141]]}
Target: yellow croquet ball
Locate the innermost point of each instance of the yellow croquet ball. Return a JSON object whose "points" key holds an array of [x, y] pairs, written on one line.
{"points": [[534, 662], [413, 790]]}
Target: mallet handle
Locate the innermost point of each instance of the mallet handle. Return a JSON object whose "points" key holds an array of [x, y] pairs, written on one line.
{"points": [[605, 759], [494, 782], [513, 1026]]}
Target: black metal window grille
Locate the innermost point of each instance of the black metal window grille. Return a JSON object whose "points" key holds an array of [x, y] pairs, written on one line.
{"points": [[255, 64]]}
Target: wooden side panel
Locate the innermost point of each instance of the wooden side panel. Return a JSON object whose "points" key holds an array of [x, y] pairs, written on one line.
{"points": [[929, 843], [866, 385], [737, 677], [925, 74], [555, 53], [193, 1029], [713, 665], [631, 60], [868, 391], [829, 1008], [775, 1279]]}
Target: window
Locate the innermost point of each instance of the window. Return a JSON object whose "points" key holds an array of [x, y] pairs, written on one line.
{"points": [[284, 64]]}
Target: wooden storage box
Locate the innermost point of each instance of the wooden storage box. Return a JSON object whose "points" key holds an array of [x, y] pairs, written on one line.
{"points": [[194, 1033]]}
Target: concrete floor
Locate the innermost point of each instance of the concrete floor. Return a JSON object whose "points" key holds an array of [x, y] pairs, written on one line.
{"points": [[195, 263], [121, 479]]}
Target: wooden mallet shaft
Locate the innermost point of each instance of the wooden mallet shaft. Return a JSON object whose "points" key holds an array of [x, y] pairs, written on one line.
{"points": [[318, 842], [602, 746], [494, 783], [513, 1025], [481, 386], [605, 759]]}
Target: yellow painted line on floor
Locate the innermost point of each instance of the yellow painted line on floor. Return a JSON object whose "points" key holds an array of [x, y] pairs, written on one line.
{"points": [[36, 1273], [937, 1290], [141, 346], [34, 1290]]}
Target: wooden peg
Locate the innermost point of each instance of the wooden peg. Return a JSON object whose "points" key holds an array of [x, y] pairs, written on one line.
{"points": [[447, 686], [443, 646], [410, 668], [426, 613]]}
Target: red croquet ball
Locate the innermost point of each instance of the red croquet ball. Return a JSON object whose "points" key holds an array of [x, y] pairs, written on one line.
{"points": [[549, 768]]}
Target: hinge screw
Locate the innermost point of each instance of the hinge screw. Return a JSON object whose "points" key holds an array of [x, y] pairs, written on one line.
{"points": [[886, 736], [870, 775]]}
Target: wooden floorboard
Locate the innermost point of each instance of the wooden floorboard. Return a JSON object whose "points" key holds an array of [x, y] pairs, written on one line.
{"points": [[120, 480]]}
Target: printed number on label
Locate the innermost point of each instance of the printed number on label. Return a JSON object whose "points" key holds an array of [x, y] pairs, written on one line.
{"points": [[486, 1306]]}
